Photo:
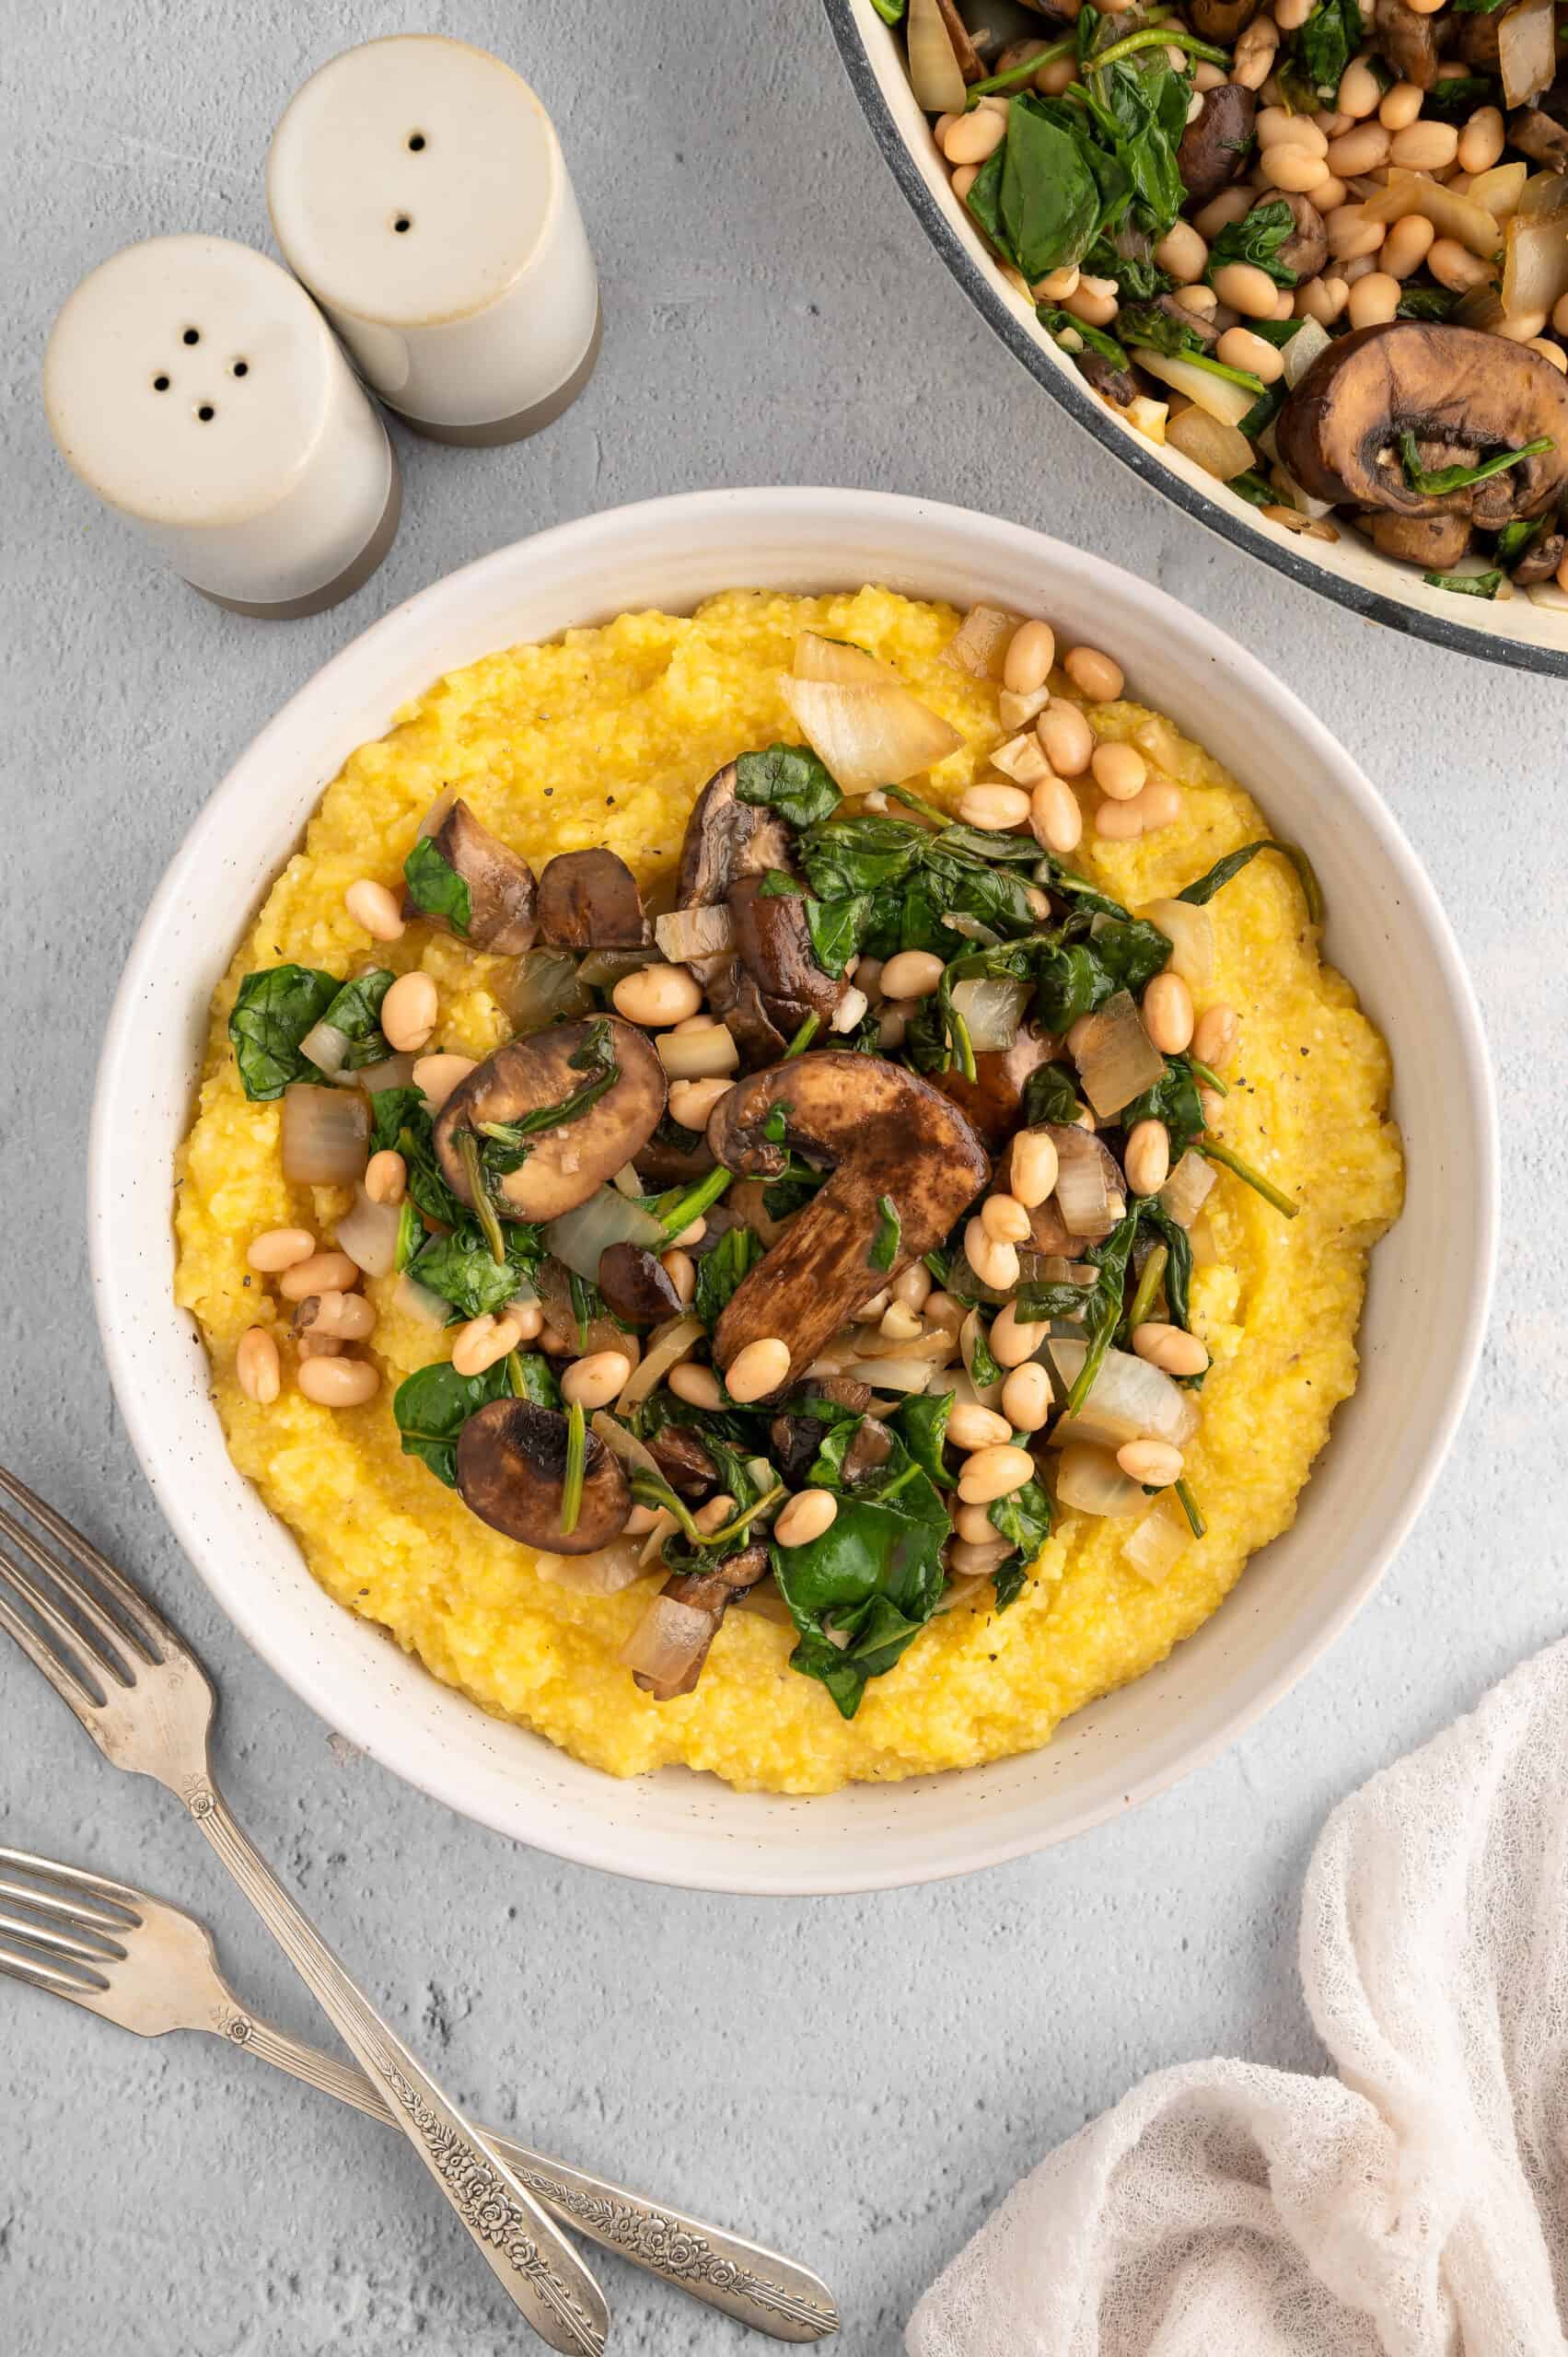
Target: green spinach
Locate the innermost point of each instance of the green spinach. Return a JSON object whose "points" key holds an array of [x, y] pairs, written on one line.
{"points": [[271, 1014], [356, 1011], [720, 1271], [1206, 886], [1257, 238], [921, 1423], [1049, 1095], [788, 778], [1435, 483], [432, 1405], [1466, 585], [435, 886], [1428, 303], [461, 1267], [861, 1593], [884, 1249]]}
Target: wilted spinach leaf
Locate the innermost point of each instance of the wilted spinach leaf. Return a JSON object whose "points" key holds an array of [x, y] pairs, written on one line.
{"points": [[872, 1579], [720, 1271], [462, 1268], [1234, 862], [1061, 324], [274, 1010], [1051, 196], [921, 1422], [884, 1248], [435, 886], [1257, 238], [1049, 1095], [356, 1011], [1173, 1099], [1321, 51], [788, 778], [837, 929], [432, 1405]]}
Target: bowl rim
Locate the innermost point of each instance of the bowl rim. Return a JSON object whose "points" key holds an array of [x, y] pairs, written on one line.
{"points": [[1067, 388], [371, 1726]]}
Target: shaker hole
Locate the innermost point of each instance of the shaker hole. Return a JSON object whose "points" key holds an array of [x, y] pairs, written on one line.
{"points": [[160, 384], [416, 141], [206, 413], [191, 335], [241, 368], [402, 222]]}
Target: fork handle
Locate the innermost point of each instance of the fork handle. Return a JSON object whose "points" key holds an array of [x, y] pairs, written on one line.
{"points": [[760, 2288], [525, 2249]]}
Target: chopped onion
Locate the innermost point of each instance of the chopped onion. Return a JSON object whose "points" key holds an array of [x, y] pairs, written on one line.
{"points": [[579, 1236], [1149, 418], [1308, 340], [1527, 50], [992, 1006], [1153, 1547], [1129, 1399], [868, 736], [543, 988], [603, 1333], [1545, 193], [1535, 260], [325, 1046], [417, 1301], [844, 665], [935, 76], [694, 933], [666, 1346], [668, 1645], [1091, 1482], [895, 1374], [1116, 1058], [392, 1072], [326, 1135], [1082, 1182], [1201, 1236], [627, 1181], [1191, 932], [626, 1446], [1500, 189], [369, 1234], [972, 929], [989, 1395], [1227, 402], [1213, 442], [1450, 216], [604, 1573], [981, 642], [1189, 1188], [706, 1053]]}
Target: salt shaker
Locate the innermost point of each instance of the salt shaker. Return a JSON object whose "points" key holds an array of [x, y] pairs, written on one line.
{"points": [[417, 187], [195, 387]]}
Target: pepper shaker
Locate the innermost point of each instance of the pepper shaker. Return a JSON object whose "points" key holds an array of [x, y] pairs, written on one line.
{"points": [[418, 189], [195, 387]]}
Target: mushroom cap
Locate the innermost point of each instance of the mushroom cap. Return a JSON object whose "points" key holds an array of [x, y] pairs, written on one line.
{"points": [[588, 900], [1338, 433], [511, 1470], [1408, 40], [501, 892], [725, 838], [773, 943], [1222, 19], [635, 1284], [993, 1101], [1435, 541], [880, 1130], [570, 1162], [1215, 145], [1307, 249]]}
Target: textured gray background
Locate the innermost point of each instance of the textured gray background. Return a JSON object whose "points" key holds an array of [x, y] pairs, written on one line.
{"points": [[854, 2081]]}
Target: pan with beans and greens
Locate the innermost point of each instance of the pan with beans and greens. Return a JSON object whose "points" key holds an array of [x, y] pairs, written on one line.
{"points": [[815, 1242], [1321, 250]]}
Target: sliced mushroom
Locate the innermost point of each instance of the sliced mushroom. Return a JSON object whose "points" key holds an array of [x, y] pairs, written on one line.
{"points": [[1539, 137], [772, 940], [1435, 541], [512, 1471], [674, 1157], [682, 1635], [1408, 39], [1540, 561], [1307, 249], [600, 1332], [684, 1462], [1193, 322], [734, 997], [636, 1285], [1109, 378], [971, 64], [993, 1099], [880, 1132], [501, 892], [568, 1162], [1453, 388], [1475, 38], [1216, 143], [726, 837], [870, 1448], [588, 900], [1223, 20]]}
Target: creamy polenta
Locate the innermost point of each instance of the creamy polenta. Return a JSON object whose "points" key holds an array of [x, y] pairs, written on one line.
{"points": [[604, 739]]}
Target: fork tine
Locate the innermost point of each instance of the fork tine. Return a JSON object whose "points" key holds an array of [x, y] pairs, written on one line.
{"points": [[44, 1936], [82, 1990], [68, 1679], [73, 1914], [121, 1894], [94, 1647], [144, 1617]]}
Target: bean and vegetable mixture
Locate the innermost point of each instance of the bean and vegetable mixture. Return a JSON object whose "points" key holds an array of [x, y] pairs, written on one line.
{"points": [[822, 1235], [1321, 250]]}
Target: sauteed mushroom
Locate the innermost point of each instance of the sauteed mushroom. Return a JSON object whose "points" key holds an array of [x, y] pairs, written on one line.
{"points": [[501, 892], [881, 1131], [683, 1620], [1215, 144], [1222, 19], [512, 1468], [588, 900], [1409, 42], [725, 838], [565, 1161], [1307, 249], [992, 1100], [773, 941], [636, 1285], [1435, 541]]}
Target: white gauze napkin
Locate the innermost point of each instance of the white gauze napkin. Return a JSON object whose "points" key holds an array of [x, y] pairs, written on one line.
{"points": [[1417, 2204]]}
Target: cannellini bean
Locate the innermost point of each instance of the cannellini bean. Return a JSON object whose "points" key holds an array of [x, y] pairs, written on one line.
{"points": [[1159, 804], [386, 1176], [1119, 771], [1055, 820], [692, 1101], [1153, 1462], [1183, 253], [655, 995], [1351, 234], [1374, 300], [1170, 1348], [715, 1513], [682, 1271], [1094, 301], [1057, 284], [900, 1323], [1425, 148], [1246, 288], [994, 1264], [759, 1368], [1253, 56], [1291, 14], [1365, 149], [372, 906], [804, 1518], [1232, 203], [1032, 1166], [911, 973], [1097, 674], [975, 1526], [1066, 736], [1005, 1219], [529, 1319], [851, 1009], [484, 1341], [698, 1386], [1167, 1013], [595, 1381], [340, 1317], [256, 1366], [1276, 127], [914, 1288], [1454, 266], [1560, 314], [1215, 1035], [972, 1427], [1119, 822], [1147, 1158], [279, 1247], [703, 1054], [1523, 328], [1358, 92], [1407, 245], [438, 1075], [1328, 196], [1026, 1397], [1031, 651], [942, 1310], [1398, 106], [1239, 348], [1481, 141], [338, 1382], [1206, 77], [640, 1520], [317, 1346], [970, 138], [994, 808], [1052, 80], [1321, 299], [994, 1473], [1201, 301], [322, 1272], [964, 179], [892, 1024], [1294, 169], [691, 1234], [409, 1012], [1013, 1339]]}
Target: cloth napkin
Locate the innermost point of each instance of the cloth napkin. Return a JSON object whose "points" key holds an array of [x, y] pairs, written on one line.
{"points": [[1417, 2204]]}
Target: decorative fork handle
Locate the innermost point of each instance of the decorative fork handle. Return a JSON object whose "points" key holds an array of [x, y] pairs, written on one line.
{"points": [[525, 2249], [758, 2287]]}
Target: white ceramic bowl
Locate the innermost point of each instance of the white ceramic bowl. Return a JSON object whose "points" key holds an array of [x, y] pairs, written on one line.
{"points": [[1424, 1312], [1516, 631]]}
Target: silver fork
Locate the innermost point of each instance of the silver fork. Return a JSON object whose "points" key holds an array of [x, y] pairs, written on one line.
{"points": [[149, 1967], [148, 1705]]}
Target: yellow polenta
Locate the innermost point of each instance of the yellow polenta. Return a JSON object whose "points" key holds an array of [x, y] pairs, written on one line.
{"points": [[606, 737]]}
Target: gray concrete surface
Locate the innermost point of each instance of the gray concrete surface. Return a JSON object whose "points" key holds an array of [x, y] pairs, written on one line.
{"points": [[773, 315]]}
